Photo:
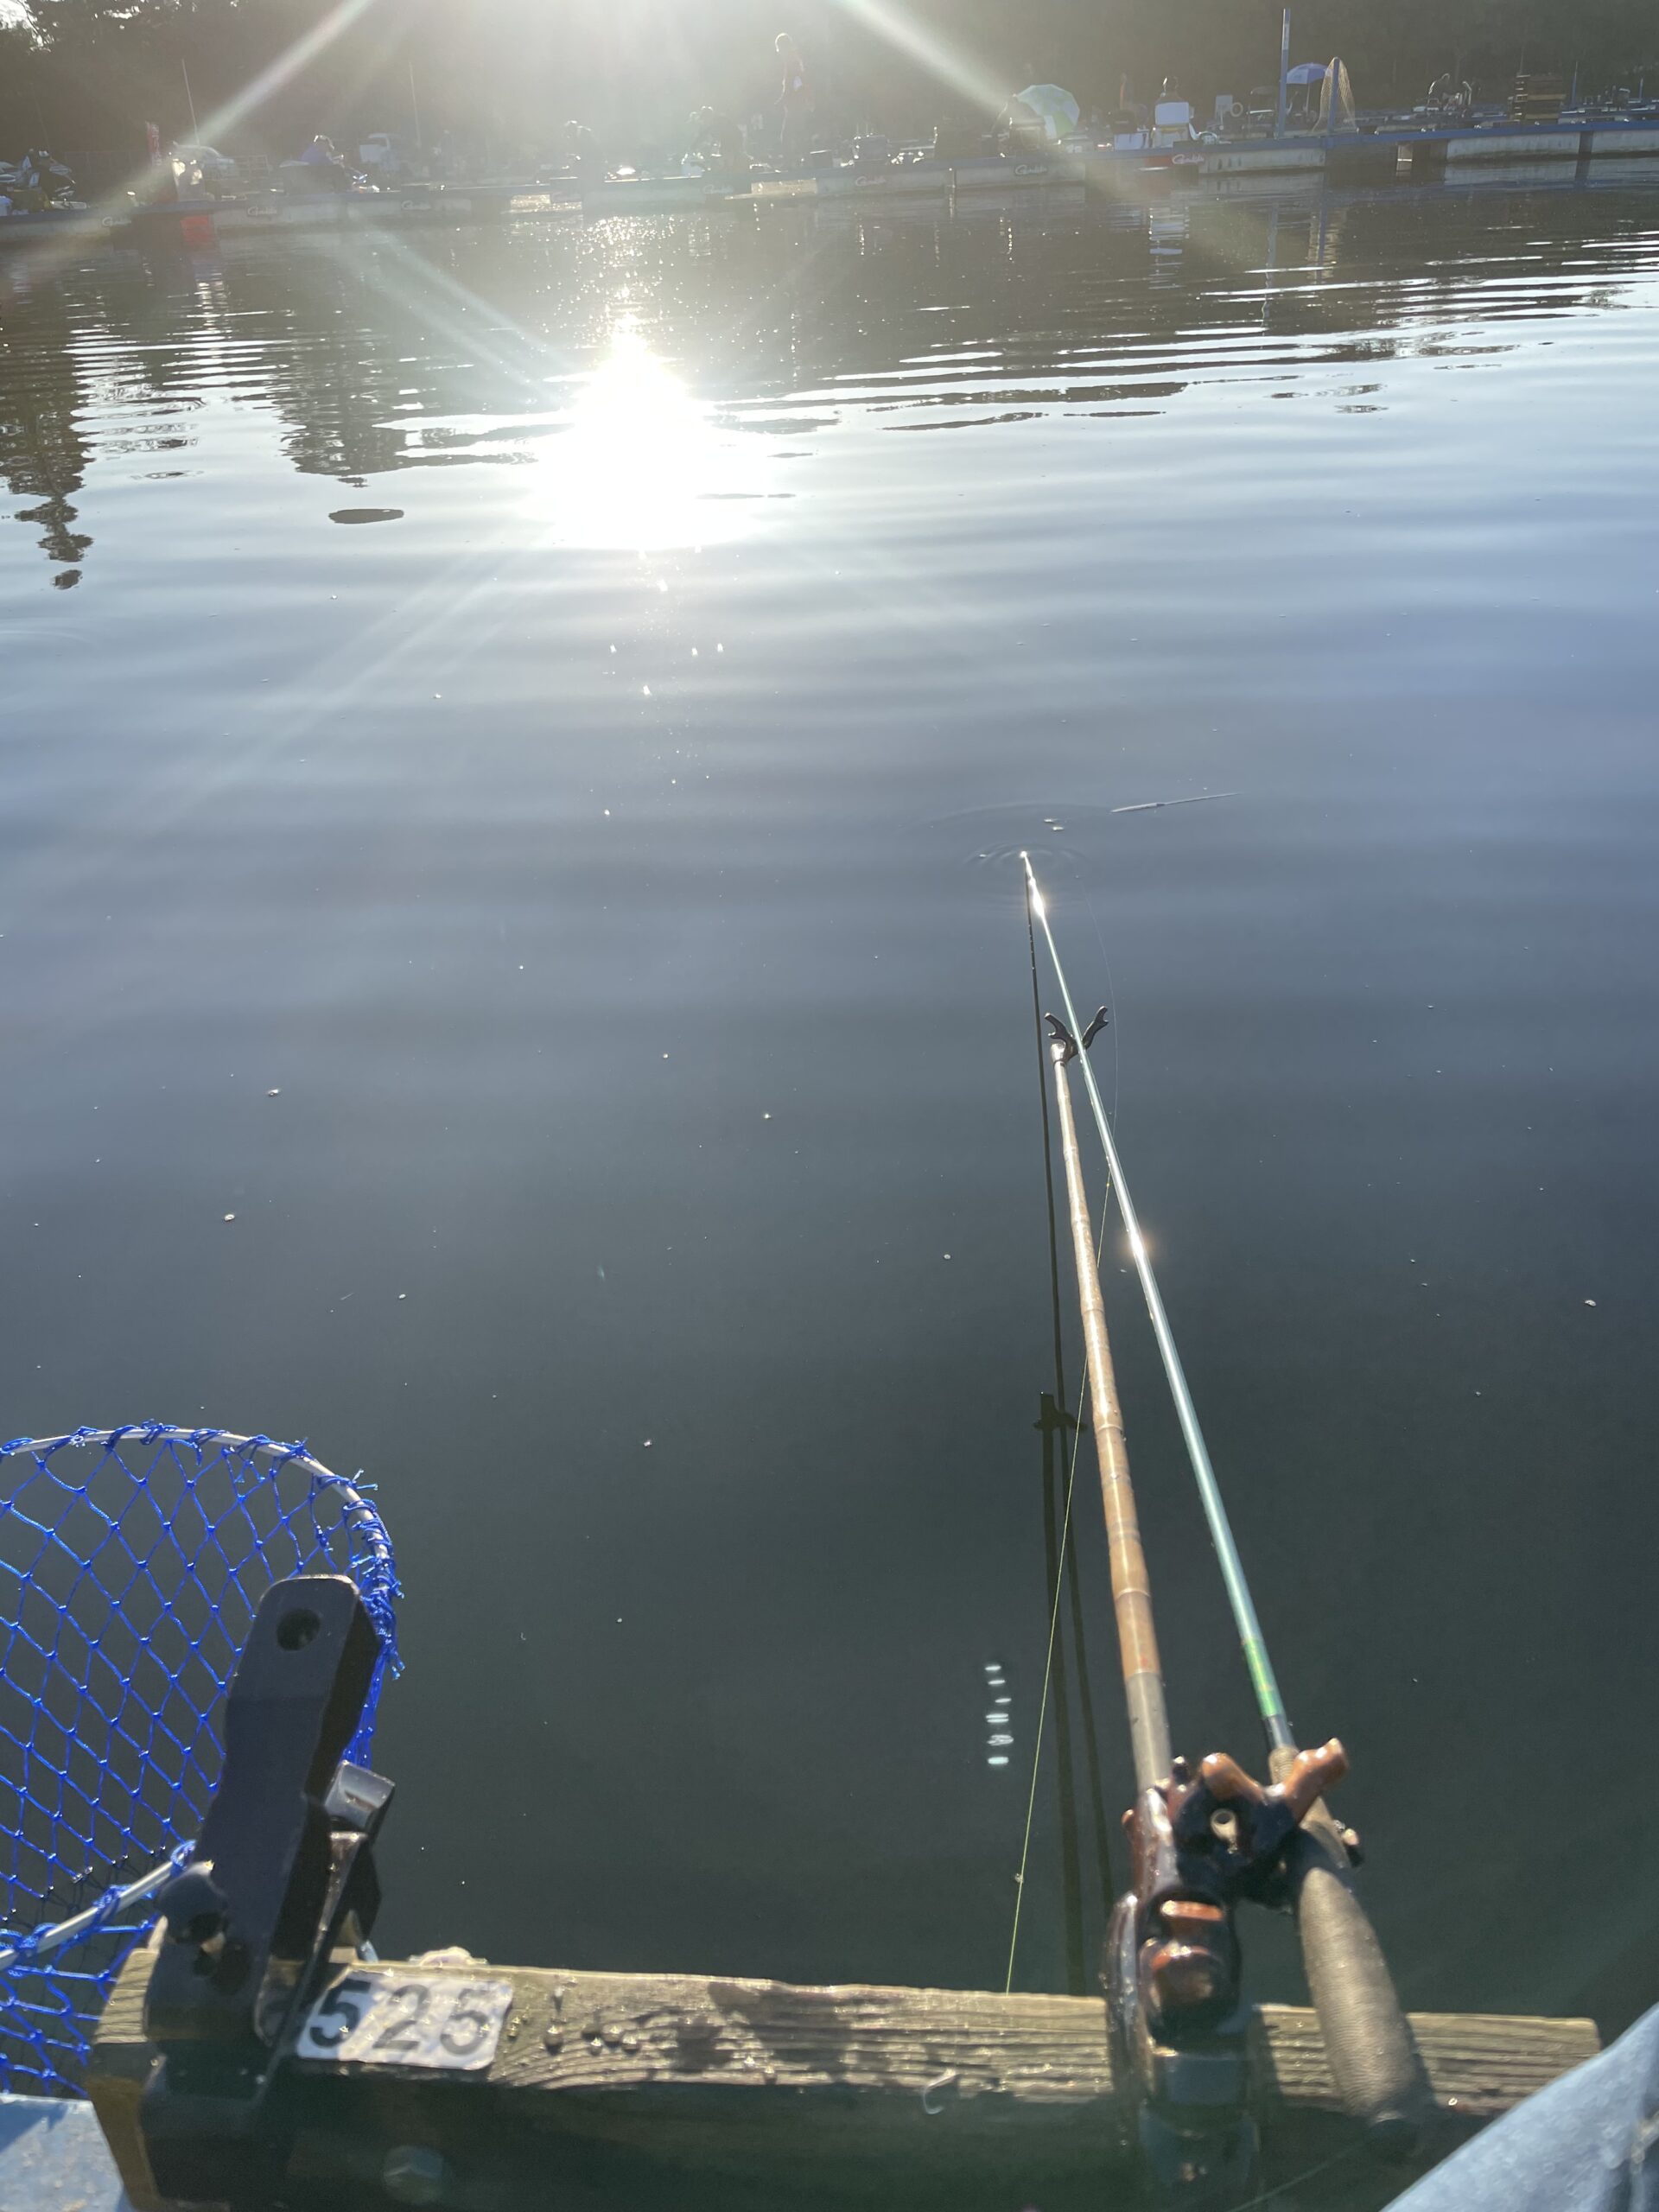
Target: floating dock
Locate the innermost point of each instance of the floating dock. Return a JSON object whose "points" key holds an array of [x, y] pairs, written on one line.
{"points": [[1348, 157], [1361, 157], [1412, 152], [413, 206], [928, 178]]}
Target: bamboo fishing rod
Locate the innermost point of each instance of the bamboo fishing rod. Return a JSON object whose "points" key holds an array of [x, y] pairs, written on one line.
{"points": [[1373, 2059], [1143, 1674]]}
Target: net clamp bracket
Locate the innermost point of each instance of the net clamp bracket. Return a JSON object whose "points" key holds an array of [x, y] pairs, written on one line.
{"points": [[282, 1886]]}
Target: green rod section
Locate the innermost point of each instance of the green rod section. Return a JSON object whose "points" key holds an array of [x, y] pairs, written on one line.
{"points": [[1269, 1704]]}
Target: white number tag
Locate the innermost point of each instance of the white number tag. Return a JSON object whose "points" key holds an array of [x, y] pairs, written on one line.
{"points": [[378, 2018]]}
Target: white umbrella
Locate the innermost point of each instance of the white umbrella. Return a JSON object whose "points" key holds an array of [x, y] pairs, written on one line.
{"points": [[1054, 108]]}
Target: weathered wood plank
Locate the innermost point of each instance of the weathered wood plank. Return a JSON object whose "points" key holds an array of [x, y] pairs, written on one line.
{"points": [[603, 2079], [602, 2031], [120, 2066], [1479, 2064]]}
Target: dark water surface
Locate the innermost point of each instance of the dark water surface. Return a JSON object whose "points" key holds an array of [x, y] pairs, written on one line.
{"points": [[553, 708]]}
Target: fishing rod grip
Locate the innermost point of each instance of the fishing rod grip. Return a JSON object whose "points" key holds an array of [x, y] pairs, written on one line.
{"points": [[1374, 2061]]}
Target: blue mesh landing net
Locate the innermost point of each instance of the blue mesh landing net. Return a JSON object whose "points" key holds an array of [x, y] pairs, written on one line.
{"points": [[132, 1561]]}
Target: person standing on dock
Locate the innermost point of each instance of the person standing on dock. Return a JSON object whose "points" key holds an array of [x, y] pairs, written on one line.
{"points": [[582, 153], [796, 99]]}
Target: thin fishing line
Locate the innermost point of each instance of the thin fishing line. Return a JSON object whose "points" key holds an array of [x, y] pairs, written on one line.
{"points": [[1106, 962], [1308, 2173], [1060, 1394], [1085, 1692], [1091, 1743], [1048, 1666], [1067, 1562], [1048, 1669], [1069, 1833]]}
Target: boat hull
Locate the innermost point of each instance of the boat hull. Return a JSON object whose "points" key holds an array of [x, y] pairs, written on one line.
{"points": [[927, 179], [1513, 146], [1271, 156], [1630, 139], [648, 195], [281, 211], [443, 205], [63, 226]]}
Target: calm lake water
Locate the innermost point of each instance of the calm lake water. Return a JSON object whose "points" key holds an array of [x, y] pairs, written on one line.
{"points": [[558, 709]]}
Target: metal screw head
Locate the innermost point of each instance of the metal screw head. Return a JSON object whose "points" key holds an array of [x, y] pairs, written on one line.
{"points": [[553, 2036], [412, 2174]]}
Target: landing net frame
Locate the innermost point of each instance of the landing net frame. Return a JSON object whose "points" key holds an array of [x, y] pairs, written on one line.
{"points": [[132, 1560]]}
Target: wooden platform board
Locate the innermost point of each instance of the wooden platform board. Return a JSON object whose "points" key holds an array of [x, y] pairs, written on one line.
{"points": [[628, 2091]]}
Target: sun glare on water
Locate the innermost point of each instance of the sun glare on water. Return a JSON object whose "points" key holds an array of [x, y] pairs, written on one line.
{"points": [[639, 465]]}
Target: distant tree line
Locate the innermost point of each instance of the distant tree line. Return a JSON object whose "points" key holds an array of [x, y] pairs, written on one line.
{"points": [[504, 74]]}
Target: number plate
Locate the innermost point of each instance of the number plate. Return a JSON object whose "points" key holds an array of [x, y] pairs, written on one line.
{"points": [[375, 2018]]}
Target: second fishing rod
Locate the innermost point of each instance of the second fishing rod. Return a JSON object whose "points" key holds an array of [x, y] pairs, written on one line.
{"points": [[1301, 1858]]}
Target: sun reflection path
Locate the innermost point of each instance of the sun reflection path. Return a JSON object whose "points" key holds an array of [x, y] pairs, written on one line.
{"points": [[639, 464]]}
